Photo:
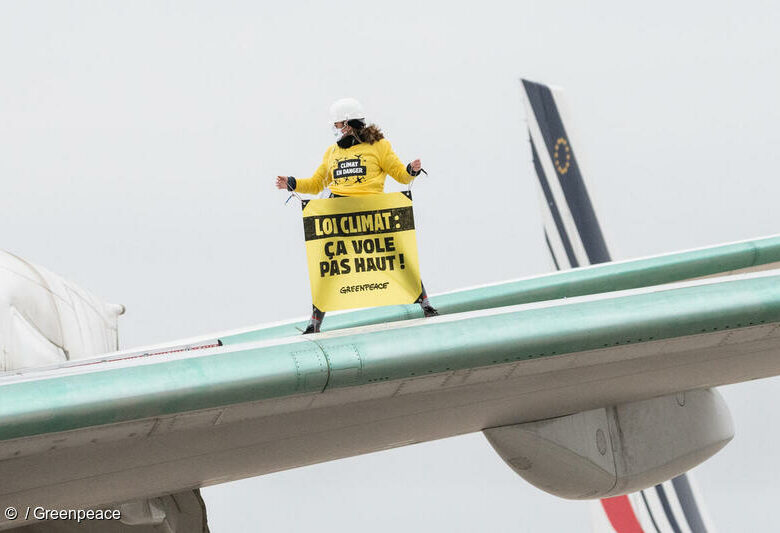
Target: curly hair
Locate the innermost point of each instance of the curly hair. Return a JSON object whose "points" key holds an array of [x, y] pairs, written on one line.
{"points": [[371, 134]]}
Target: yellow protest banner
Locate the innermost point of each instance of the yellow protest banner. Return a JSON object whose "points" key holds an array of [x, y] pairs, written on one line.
{"points": [[362, 251]]}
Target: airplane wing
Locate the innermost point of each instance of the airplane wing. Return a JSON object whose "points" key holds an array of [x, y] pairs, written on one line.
{"points": [[166, 419], [46, 320]]}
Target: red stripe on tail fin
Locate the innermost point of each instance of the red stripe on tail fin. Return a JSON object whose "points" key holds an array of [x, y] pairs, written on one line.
{"points": [[621, 515]]}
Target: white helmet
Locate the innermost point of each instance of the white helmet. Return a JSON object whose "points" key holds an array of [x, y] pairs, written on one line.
{"points": [[346, 109]]}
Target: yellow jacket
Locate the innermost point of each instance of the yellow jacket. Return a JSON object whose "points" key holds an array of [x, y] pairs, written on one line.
{"points": [[355, 171]]}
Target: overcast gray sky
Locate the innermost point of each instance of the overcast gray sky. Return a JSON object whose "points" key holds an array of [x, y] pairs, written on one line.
{"points": [[139, 140]]}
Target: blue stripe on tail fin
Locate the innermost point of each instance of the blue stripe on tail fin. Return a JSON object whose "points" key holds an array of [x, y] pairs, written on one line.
{"points": [[574, 238]]}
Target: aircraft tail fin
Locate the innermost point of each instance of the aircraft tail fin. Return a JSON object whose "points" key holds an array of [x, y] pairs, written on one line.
{"points": [[572, 231], [670, 507], [574, 238]]}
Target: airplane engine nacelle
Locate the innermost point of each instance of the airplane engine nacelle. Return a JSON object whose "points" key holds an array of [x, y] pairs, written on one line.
{"points": [[47, 320], [616, 450]]}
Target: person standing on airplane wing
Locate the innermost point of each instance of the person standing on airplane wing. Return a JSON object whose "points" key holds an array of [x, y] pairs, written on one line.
{"points": [[371, 159]]}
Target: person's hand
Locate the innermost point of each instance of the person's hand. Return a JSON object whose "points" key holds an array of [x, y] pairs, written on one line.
{"points": [[416, 165], [281, 182]]}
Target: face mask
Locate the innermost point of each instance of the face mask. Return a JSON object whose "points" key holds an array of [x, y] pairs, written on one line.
{"points": [[337, 132]]}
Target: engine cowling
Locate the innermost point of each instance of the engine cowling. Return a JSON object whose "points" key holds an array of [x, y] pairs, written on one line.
{"points": [[616, 450], [46, 320]]}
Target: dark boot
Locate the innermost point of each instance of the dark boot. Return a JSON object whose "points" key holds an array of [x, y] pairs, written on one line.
{"points": [[315, 322], [428, 309]]}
